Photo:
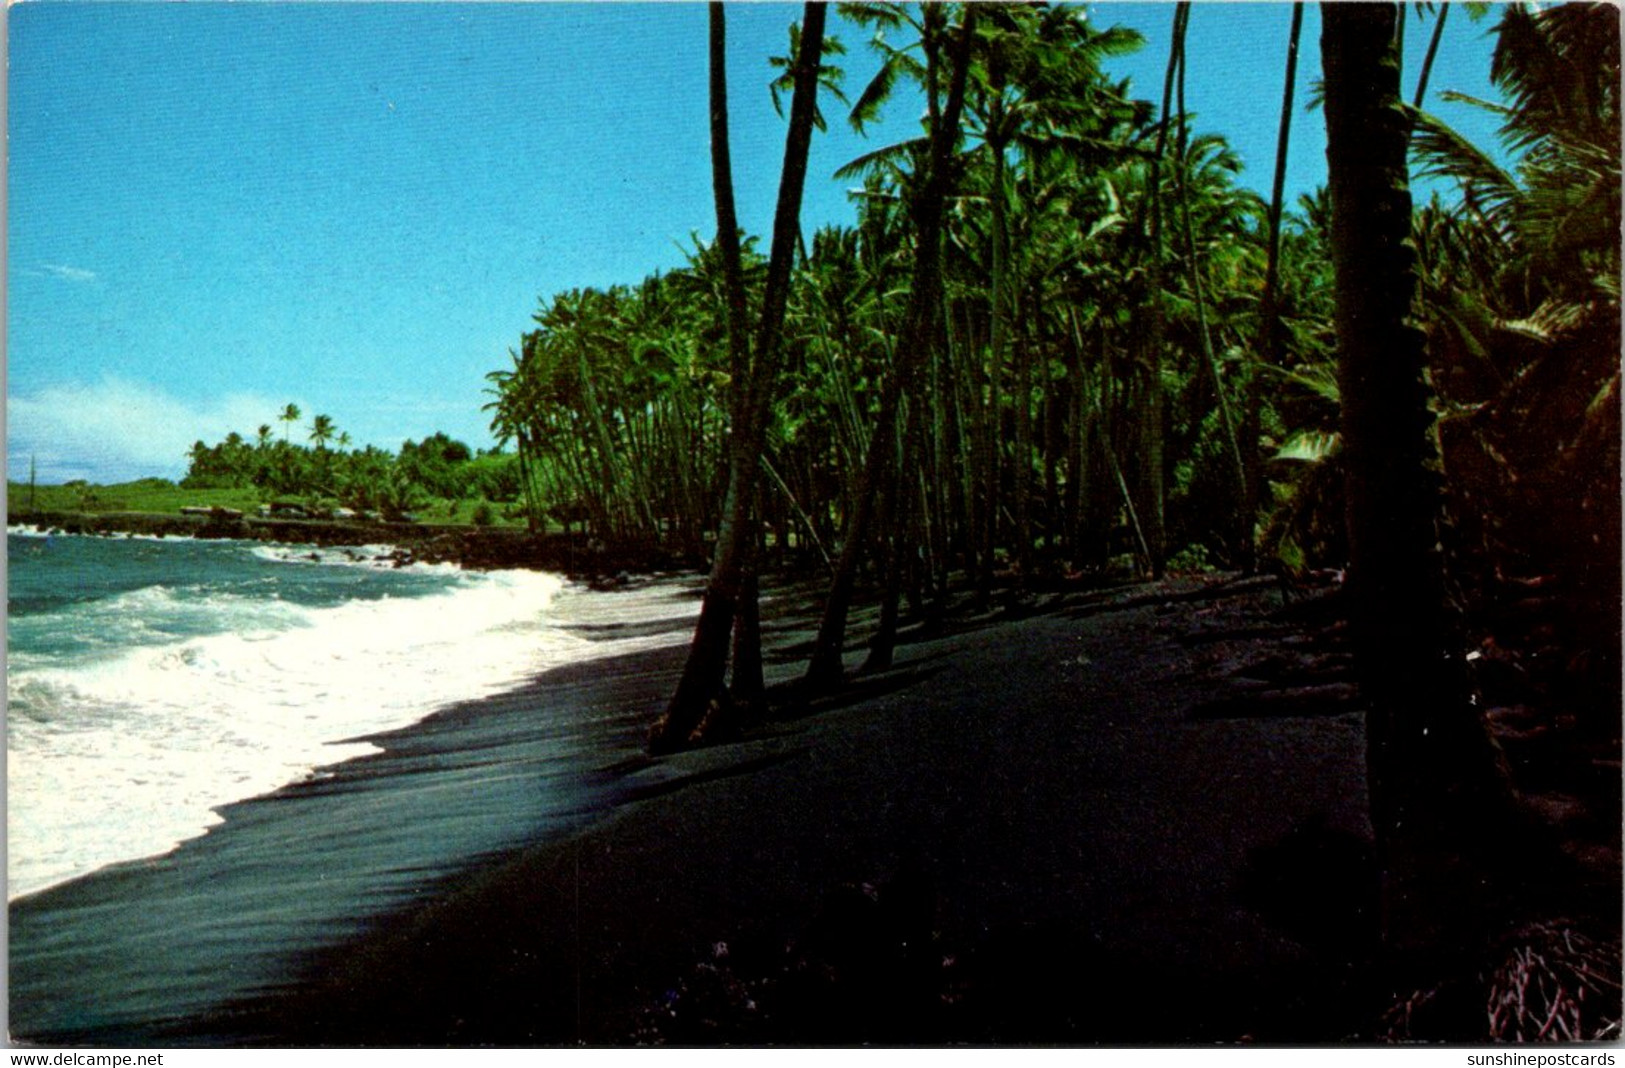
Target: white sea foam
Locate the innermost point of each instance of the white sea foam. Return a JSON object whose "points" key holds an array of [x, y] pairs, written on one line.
{"points": [[340, 556], [34, 530], [129, 755]]}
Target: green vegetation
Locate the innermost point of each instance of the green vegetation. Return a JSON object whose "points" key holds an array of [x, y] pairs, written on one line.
{"points": [[429, 479], [159, 496], [1058, 334], [155, 495], [437, 480]]}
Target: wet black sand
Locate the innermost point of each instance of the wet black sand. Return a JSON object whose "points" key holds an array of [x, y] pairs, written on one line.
{"points": [[1081, 849]]}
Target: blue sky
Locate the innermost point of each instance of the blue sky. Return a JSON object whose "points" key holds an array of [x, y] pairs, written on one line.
{"points": [[218, 209]]}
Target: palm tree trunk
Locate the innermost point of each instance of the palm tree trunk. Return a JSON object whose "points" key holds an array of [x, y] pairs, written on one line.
{"points": [[897, 502], [748, 687], [1427, 61], [826, 667], [961, 347], [1435, 793], [1021, 473], [1077, 438], [729, 584], [1149, 475], [1270, 340], [998, 334], [1204, 333], [943, 488]]}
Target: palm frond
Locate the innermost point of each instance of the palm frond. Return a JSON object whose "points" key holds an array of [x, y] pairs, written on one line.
{"points": [[867, 107], [1478, 102], [1310, 446], [885, 16], [881, 158], [1319, 379], [1440, 152]]}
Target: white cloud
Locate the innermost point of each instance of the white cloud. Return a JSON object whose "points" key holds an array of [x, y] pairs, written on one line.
{"points": [[68, 274], [116, 430]]}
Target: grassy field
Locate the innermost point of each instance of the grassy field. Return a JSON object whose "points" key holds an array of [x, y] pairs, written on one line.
{"points": [[162, 497]]}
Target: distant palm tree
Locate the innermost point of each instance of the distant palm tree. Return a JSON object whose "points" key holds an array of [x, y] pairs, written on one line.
{"points": [[263, 435], [322, 430], [290, 415]]}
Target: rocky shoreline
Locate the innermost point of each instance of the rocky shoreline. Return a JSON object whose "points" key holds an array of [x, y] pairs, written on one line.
{"points": [[576, 555]]}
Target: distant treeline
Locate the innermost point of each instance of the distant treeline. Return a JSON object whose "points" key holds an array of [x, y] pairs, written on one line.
{"points": [[369, 479]]}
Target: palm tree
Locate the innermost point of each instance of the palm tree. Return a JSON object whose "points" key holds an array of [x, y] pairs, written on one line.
{"points": [[1036, 88], [830, 76], [199, 456], [1209, 362], [1270, 340], [732, 580], [1146, 382], [1558, 210], [825, 667], [510, 411], [1522, 296], [1431, 774], [290, 415], [236, 459], [321, 431]]}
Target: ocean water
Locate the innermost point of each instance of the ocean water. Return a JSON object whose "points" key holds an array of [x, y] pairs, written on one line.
{"points": [[151, 681]]}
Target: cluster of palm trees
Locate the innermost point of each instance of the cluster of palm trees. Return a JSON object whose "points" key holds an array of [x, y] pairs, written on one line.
{"points": [[1035, 423], [276, 465], [330, 471], [1059, 336]]}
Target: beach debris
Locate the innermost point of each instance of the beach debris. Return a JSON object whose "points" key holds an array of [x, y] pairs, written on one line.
{"points": [[1556, 985], [1552, 983]]}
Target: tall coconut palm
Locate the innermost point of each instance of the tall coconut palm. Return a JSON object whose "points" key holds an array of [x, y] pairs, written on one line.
{"points": [[1521, 292], [1431, 775], [1270, 339], [290, 415], [825, 667], [1209, 362], [1039, 73], [1558, 208], [322, 431], [732, 579]]}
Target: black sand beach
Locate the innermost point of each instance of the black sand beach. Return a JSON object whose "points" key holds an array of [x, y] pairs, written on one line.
{"points": [[1053, 824]]}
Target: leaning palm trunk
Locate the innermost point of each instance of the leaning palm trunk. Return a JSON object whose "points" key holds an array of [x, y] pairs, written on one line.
{"points": [[826, 666], [1427, 61], [998, 343], [1270, 342], [1204, 331], [731, 580], [1148, 369], [899, 496]]}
